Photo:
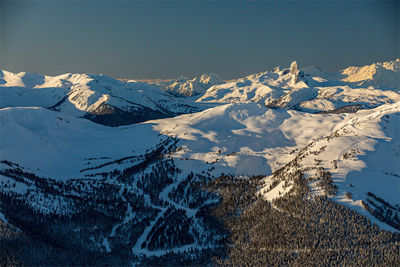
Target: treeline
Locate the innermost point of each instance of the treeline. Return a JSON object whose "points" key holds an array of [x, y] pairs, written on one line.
{"points": [[109, 213], [296, 230], [382, 210]]}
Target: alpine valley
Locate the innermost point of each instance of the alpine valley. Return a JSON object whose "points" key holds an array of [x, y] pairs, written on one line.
{"points": [[294, 166]]}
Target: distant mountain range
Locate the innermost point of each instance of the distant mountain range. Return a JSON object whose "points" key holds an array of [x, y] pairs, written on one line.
{"points": [[114, 102], [96, 97]]}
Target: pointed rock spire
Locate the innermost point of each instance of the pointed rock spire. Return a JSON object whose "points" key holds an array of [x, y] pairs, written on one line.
{"points": [[294, 68]]}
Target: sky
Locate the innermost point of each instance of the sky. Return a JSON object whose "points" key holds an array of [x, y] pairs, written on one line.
{"points": [[166, 39]]}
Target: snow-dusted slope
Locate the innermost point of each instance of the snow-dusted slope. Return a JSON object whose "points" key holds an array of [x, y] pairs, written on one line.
{"points": [[362, 157], [96, 97], [244, 138]]}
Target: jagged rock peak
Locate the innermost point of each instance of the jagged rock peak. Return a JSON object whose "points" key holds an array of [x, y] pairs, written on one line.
{"points": [[210, 78], [294, 68], [277, 69]]}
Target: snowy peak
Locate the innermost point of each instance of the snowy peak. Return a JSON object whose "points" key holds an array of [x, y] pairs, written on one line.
{"points": [[196, 86], [313, 71], [309, 89], [298, 75], [265, 87], [210, 79], [293, 68], [382, 74]]}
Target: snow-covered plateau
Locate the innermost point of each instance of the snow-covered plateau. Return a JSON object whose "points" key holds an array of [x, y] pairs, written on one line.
{"points": [[168, 172]]}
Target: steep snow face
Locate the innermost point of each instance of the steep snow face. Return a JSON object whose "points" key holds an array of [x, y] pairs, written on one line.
{"points": [[96, 97], [314, 71], [383, 74], [184, 87]]}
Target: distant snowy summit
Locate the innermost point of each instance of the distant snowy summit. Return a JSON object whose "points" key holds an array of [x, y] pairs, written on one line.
{"points": [[382, 74], [196, 86]]}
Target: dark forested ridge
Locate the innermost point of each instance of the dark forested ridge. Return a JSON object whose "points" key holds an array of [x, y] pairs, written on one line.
{"points": [[139, 206], [295, 230]]}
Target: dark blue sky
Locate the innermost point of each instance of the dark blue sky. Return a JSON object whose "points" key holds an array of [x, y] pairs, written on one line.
{"points": [[164, 39]]}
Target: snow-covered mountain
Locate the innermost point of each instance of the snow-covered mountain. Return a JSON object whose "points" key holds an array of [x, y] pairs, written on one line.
{"points": [[313, 90], [260, 88], [382, 75], [96, 97], [196, 86], [252, 157]]}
